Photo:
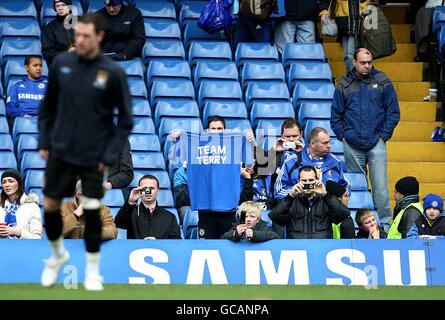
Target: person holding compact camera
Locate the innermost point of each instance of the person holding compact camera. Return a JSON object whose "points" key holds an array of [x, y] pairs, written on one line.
{"points": [[143, 218], [308, 211], [249, 226]]}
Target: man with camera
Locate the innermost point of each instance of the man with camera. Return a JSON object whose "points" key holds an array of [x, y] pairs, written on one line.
{"points": [[308, 211], [142, 217]]}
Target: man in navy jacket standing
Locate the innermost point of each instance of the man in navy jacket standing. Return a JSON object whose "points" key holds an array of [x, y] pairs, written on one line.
{"points": [[365, 112]]}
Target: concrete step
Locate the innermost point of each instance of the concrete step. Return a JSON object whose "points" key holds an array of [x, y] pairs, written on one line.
{"points": [[417, 111], [416, 151], [395, 13], [425, 172], [401, 32], [414, 131], [411, 91]]}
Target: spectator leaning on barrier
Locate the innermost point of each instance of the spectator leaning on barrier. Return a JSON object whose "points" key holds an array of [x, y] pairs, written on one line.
{"points": [[345, 229], [431, 225], [56, 36], [369, 228], [249, 226], [74, 219], [143, 218], [124, 32], [20, 216], [408, 207], [365, 112], [308, 211]]}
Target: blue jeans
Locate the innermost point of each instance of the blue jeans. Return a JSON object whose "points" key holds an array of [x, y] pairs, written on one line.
{"points": [[356, 161], [348, 44], [294, 31]]}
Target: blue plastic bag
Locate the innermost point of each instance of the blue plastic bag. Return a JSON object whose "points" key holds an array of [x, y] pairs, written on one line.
{"points": [[216, 16]]}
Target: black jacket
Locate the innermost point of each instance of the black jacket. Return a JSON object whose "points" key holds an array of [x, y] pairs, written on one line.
{"points": [[140, 224], [76, 115], [56, 39], [299, 10], [124, 32], [362, 234], [261, 233], [120, 174], [304, 221]]}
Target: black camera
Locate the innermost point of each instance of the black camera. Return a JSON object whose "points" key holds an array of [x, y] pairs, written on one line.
{"points": [[242, 217], [146, 190], [308, 186]]}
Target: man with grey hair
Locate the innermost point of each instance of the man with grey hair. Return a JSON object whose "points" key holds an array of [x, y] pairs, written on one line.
{"points": [[316, 154], [365, 112]]}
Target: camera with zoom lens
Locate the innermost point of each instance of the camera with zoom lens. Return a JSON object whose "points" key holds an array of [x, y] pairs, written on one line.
{"points": [[146, 190]]}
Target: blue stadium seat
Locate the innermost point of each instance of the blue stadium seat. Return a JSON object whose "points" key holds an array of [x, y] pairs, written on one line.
{"points": [[34, 179], [302, 72], [298, 52], [143, 125], [148, 161], [357, 181], [180, 3], [314, 110], [238, 125], [15, 70], [39, 193], [337, 148], [212, 90], [19, 28], [163, 50], [133, 68], [158, 70], [113, 198], [360, 199], [7, 160], [227, 110], [121, 234], [192, 125], [2, 105], [17, 8], [271, 110], [260, 72], [171, 89], [19, 48], [441, 41], [4, 128], [214, 71], [175, 109], [95, 5], [164, 182], [157, 9], [24, 125], [137, 88], [438, 18], [6, 142], [175, 213], [267, 127], [194, 33], [164, 29], [165, 198], [191, 219], [140, 107], [269, 91], [190, 12], [255, 52], [312, 92], [27, 142], [31, 160], [47, 12], [311, 124], [265, 217], [209, 51], [113, 212], [144, 142]]}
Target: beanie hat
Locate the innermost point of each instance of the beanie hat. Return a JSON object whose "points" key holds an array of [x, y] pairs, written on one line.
{"points": [[13, 173], [335, 189], [113, 2], [433, 201], [408, 186], [67, 2]]}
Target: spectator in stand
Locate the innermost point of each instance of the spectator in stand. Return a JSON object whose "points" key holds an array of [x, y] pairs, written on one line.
{"points": [[308, 211], [369, 228], [20, 216], [431, 225], [347, 16], [346, 228], [143, 218], [74, 219], [365, 112], [57, 38], [249, 226], [317, 154], [408, 207], [124, 32], [299, 25], [25, 96]]}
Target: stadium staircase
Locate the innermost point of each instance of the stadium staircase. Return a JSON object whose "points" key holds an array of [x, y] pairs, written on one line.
{"points": [[410, 151]]}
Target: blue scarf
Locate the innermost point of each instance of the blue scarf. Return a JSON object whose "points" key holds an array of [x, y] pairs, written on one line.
{"points": [[10, 217]]}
